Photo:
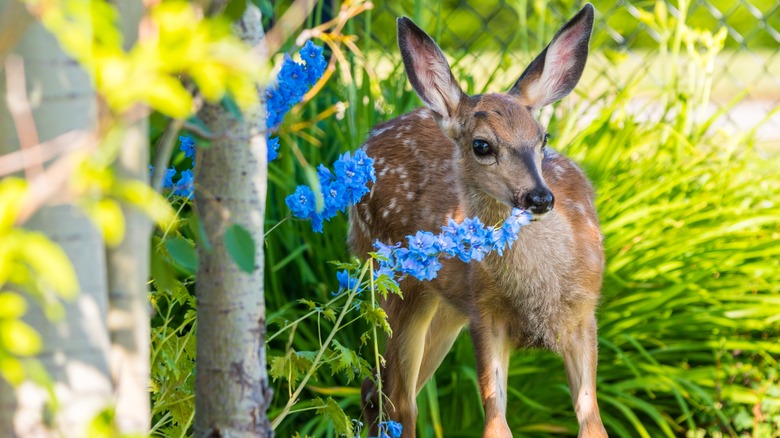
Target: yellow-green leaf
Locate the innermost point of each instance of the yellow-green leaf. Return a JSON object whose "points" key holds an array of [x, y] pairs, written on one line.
{"points": [[18, 338], [12, 370], [12, 305], [144, 198], [168, 96], [50, 263], [12, 191], [107, 215]]}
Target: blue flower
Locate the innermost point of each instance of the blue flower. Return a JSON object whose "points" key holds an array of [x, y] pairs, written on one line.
{"points": [[339, 190], [390, 429], [468, 240], [301, 203], [273, 147], [187, 146], [292, 82], [168, 180], [507, 234], [346, 281], [311, 55], [184, 187]]}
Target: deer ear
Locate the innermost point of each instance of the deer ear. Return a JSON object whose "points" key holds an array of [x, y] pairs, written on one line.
{"points": [[428, 69], [556, 71]]}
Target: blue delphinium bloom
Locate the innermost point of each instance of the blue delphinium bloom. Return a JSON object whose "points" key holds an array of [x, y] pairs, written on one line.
{"points": [[390, 429], [301, 203], [339, 190], [292, 82], [187, 146], [168, 180], [315, 62], [184, 187], [468, 240], [507, 234], [273, 148], [346, 281]]}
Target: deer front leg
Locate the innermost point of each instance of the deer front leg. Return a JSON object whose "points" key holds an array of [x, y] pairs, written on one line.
{"points": [[580, 357], [409, 320], [492, 349]]}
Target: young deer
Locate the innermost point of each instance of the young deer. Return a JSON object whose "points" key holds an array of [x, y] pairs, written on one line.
{"points": [[466, 156]]}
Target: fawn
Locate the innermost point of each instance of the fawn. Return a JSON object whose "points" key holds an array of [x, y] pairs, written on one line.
{"points": [[465, 156]]}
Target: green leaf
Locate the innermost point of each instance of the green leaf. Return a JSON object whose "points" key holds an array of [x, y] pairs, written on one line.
{"points": [[168, 95], [241, 247], [333, 412], [162, 272], [234, 9], [18, 338], [266, 7], [232, 107], [50, 263], [12, 305], [291, 366], [197, 230], [183, 253], [344, 359], [107, 215]]}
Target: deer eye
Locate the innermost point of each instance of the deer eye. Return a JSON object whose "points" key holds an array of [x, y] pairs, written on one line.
{"points": [[481, 147], [544, 142]]}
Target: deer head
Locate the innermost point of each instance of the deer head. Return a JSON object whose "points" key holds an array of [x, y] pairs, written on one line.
{"points": [[500, 140]]}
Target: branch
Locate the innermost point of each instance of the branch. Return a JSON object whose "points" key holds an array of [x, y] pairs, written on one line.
{"points": [[292, 19], [13, 22], [21, 112]]}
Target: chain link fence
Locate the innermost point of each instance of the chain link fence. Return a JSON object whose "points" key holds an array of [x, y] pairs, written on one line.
{"points": [[491, 41]]}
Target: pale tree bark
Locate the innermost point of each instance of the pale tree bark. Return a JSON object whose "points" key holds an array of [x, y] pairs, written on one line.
{"points": [[231, 384], [75, 351], [128, 272]]}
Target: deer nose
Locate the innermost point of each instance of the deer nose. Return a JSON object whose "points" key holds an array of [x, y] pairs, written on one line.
{"points": [[540, 201]]}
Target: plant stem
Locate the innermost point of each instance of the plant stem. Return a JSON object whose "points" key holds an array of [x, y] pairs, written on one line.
{"points": [[291, 402], [289, 215], [376, 345]]}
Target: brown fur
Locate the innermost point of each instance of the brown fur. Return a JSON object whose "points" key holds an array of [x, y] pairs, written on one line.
{"points": [[541, 293]]}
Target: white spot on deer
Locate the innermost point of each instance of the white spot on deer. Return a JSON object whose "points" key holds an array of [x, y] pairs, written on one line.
{"points": [[367, 215], [410, 196], [558, 170], [363, 226], [385, 214], [383, 172], [380, 161], [392, 204], [381, 131], [405, 186], [404, 220]]}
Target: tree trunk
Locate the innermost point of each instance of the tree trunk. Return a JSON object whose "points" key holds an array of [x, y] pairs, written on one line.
{"points": [[75, 351], [128, 273], [231, 383]]}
